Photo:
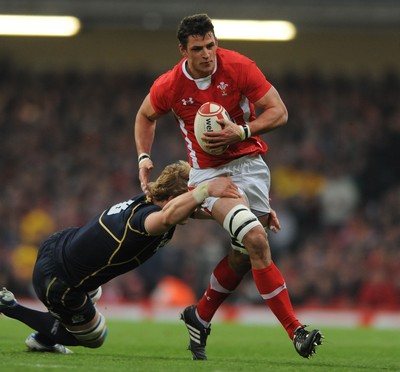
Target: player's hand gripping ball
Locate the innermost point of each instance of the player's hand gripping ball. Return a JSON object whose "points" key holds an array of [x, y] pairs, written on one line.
{"points": [[206, 121]]}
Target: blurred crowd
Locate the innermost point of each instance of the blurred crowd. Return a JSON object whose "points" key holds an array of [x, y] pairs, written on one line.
{"points": [[67, 152]]}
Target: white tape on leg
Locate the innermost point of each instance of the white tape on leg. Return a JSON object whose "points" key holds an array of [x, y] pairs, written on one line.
{"points": [[239, 221], [237, 246], [92, 336]]}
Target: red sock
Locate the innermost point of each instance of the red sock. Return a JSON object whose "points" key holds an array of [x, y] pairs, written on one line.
{"points": [[222, 282], [272, 288]]}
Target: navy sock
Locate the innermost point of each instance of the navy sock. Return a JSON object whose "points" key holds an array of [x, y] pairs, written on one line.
{"points": [[51, 331]]}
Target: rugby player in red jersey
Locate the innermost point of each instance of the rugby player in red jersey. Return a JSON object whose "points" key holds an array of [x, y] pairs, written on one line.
{"points": [[210, 73]]}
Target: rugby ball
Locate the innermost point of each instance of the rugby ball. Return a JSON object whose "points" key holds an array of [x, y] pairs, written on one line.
{"points": [[206, 121]]}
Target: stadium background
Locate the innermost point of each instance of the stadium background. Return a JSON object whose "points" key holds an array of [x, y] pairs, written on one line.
{"points": [[67, 151]]}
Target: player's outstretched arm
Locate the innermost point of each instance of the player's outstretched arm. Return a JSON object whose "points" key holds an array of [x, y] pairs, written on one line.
{"points": [[144, 131], [179, 209]]}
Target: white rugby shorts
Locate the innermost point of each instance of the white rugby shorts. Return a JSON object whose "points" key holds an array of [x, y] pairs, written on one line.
{"points": [[250, 174]]}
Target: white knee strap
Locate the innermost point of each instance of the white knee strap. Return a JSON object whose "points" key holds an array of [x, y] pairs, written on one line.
{"points": [[239, 221], [93, 335], [95, 295], [237, 246]]}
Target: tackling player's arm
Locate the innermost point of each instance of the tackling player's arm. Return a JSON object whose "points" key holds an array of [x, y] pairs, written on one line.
{"points": [[144, 131], [178, 210]]}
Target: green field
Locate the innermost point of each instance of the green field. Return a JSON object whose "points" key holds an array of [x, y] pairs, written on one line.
{"points": [[151, 346]]}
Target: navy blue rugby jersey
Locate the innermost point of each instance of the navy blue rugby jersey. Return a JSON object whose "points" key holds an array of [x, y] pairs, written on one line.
{"points": [[111, 244]]}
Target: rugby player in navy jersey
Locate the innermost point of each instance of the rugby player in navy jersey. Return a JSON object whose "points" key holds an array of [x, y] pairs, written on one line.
{"points": [[73, 263]]}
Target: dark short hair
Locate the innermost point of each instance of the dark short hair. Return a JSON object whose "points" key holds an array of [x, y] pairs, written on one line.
{"points": [[197, 24]]}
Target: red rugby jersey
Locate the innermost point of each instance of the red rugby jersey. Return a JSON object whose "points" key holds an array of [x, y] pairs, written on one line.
{"points": [[236, 84]]}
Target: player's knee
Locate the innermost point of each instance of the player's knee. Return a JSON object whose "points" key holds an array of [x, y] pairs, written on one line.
{"points": [[256, 243], [92, 334], [240, 221], [256, 237]]}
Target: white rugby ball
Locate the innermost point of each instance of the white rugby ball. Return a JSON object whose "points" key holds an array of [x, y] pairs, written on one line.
{"points": [[206, 121]]}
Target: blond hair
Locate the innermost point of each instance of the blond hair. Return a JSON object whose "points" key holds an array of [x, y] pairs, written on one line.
{"points": [[172, 181]]}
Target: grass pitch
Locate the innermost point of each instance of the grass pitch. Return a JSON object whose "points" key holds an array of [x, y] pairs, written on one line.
{"points": [[152, 346]]}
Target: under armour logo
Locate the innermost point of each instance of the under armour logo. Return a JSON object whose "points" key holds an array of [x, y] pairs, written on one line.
{"points": [[186, 102], [54, 329]]}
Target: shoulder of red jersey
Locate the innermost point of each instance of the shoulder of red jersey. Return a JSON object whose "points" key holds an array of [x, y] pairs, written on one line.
{"points": [[170, 75], [250, 80], [163, 89], [232, 57]]}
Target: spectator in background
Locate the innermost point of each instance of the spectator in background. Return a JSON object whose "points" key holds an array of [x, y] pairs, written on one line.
{"points": [[35, 226], [339, 197], [378, 292]]}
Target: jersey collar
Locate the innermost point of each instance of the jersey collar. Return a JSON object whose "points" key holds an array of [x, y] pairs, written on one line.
{"points": [[202, 83]]}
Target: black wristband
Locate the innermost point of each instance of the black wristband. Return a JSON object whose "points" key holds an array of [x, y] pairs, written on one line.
{"points": [[246, 131], [143, 156]]}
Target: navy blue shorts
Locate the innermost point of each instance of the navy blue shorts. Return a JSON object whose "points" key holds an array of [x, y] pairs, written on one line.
{"points": [[66, 303]]}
